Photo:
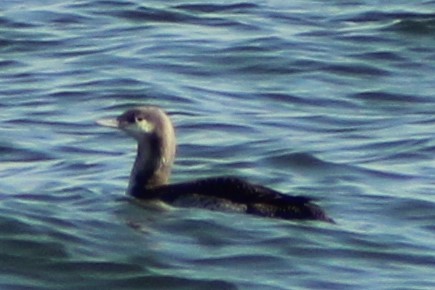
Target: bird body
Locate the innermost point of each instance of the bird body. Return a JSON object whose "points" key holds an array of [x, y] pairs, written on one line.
{"points": [[152, 128]]}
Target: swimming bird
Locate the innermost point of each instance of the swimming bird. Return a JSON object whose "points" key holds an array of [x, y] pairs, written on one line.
{"points": [[152, 128]]}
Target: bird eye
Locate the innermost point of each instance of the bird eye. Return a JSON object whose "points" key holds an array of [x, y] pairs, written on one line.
{"points": [[139, 119]]}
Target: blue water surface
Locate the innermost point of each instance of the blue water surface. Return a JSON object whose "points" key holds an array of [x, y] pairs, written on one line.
{"points": [[329, 99]]}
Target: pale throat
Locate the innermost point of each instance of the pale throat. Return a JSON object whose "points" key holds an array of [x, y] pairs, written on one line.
{"points": [[154, 159]]}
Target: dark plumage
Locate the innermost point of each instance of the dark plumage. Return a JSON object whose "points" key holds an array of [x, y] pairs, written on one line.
{"points": [[153, 130]]}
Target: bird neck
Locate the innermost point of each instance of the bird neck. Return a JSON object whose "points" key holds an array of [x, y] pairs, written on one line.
{"points": [[152, 167]]}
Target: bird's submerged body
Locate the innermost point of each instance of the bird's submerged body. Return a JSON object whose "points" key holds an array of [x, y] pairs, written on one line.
{"points": [[153, 130]]}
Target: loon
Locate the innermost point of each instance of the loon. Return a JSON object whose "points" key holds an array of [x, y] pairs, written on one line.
{"points": [[152, 128]]}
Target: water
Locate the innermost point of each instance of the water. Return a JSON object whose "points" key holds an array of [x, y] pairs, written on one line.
{"points": [[332, 100]]}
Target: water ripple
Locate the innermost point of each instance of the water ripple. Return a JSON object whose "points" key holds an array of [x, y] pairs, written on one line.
{"points": [[334, 103]]}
